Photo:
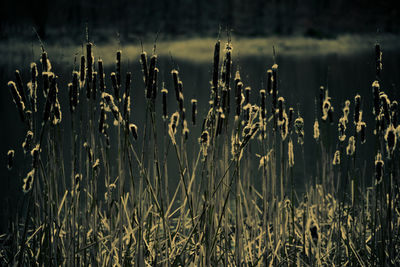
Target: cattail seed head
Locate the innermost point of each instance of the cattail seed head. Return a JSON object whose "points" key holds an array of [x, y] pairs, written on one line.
{"points": [[357, 107], [239, 98], [391, 140], [351, 147], [173, 126], [127, 97], [10, 158], [101, 75], [290, 119], [89, 70], [102, 118], [151, 80], [321, 97], [44, 60], [115, 85], [316, 130], [385, 106], [28, 181], [336, 158], [118, 68], [263, 104], [342, 128], [82, 73], [27, 144], [375, 91], [134, 130], [94, 85], [326, 107], [299, 128], [362, 126], [290, 154], [281, 101], [194, 110], [378, 168], [20, 87], [216, 67], [175, 79], [143, 61], [164, 93], [17, 100]]}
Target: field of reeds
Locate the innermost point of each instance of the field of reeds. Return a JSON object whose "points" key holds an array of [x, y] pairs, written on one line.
{"points": [[186, 190]]}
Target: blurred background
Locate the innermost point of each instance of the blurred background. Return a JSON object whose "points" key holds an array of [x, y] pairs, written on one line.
{"points": [[317, 42], [316, 18]]}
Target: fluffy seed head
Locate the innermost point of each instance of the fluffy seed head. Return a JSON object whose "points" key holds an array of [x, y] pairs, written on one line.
{"points": [[10, 158], [378, 168], [351, 147], [336, 158], [28, 181]]}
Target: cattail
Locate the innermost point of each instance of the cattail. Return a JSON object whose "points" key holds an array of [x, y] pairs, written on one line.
{"points": [[326, 107], [28, 181], [185, 130], [17, 99], [204, 141], [391, 140], [101, 75], [102, 119], [10, 158], [378, 168], [215, 70], [175, 79], [357, 106], [33, 86], [351, 147], [281, 101], [247, 100], [269, 81], [375, 91], [89, 56], [321, 98], [290, 154], [150, 80], [346, 110], [143, 61], [316, 130], [194, 110], [385, 106], [113, 107], [70, 94], [155, 84], [239, 98], [283, 124], [274, 86], [82, 73], [164, 93], [57, 112], [173, 126], [27, 144], [299, 128], [115, 86], [44, 60], [262, 96], [134, 130], [20, 87], [46, 83], [290, 119], [361, 128], [180, 101], [118, 68], [336, 158], [330, 115], [394, 113], [75, 92], [224, 99], [342, 128], [378, 60], [35, 153], [94, 85], [127, 103]]}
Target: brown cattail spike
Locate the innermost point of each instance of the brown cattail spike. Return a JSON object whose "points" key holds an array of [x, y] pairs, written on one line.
{"points": [[194, 111], [175, 79], [378, 60], [94, 85], [115, 86], [75, 91], [150, 80], [101, 75], [118, 68], [215, 69], [20, 87], [143, 61], [82, 73], [164, 93], [375, 90], [10, 158], [17, 100]]}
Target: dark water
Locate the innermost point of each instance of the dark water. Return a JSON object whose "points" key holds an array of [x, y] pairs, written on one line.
{"points": [[299, 80]]}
